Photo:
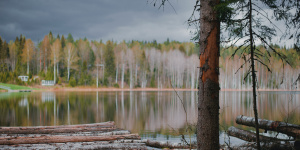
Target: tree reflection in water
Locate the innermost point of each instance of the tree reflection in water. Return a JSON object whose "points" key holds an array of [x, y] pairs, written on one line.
{"points": [[151, 114]]}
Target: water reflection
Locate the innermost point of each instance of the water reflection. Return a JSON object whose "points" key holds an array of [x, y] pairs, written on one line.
{"points": [[152, 114], [48, 96]]}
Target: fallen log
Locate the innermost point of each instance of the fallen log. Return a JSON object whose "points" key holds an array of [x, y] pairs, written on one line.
{"points": [[93, 125], [282, 127], [94, 133], [170, 145], [25, 130], [78, 145], [63, 139], [267, 142]]}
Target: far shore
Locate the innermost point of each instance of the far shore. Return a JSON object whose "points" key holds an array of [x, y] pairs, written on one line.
{"points": [[65, 87], [106, 89]]}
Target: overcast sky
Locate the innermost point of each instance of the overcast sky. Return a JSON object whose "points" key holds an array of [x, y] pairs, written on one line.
{"points": [[102, 19]]}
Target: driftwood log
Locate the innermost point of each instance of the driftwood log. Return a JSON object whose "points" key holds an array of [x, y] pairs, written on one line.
{"points": [[63, 139], [85, 136], [170, 145], [91, 133], [104, 127], [247, 135], [78, 145], [102, 124], [282, 127], [267, 142], [52, 131]]}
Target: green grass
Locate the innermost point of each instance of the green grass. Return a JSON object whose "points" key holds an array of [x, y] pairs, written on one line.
{"points": [[15, 87]]}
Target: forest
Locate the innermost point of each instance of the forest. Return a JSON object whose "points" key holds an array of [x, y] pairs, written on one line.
{"points": [[134, 64]]}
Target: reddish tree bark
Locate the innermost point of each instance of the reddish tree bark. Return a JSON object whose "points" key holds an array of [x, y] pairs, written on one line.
{"points": [[208, 102]]}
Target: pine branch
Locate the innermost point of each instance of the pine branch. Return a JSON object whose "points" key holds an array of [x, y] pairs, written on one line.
{"points": [[269, 70], [242, 65], [245, 42]]}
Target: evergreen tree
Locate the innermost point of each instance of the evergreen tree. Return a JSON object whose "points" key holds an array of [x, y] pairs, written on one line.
{"points": [[5, 50], [250, 28], [1, 50], [20, 45], [51, 38], [63, 42], [109, 61], [92, 59], [70, 38]]}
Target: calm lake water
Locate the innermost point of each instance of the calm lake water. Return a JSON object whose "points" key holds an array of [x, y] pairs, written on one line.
{"points": [[155, 115]]}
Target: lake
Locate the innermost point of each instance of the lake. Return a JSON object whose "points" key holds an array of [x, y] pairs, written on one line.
{"points": [[155, 115]]}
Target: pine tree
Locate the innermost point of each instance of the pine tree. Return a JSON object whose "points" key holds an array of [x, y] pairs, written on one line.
{"points": [[70, 38], [109, 61], [1, 51], [249, 28], [63, 41]]}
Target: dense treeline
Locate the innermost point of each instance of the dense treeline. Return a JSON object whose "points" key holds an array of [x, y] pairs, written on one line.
{"points": [[131, 64], [276, 75]]}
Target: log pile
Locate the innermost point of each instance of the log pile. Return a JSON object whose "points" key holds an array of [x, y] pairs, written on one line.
{"points": [[87, 136], [267, 142]]}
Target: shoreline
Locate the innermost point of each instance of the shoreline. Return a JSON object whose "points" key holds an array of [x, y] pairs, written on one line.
{"points": [[108, 89], [89, 89]]}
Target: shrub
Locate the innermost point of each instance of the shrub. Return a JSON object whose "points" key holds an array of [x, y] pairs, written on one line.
{"points": [[105, 82], [19, 81], [116, 85], [30, 75], [72, 82], [152, 82], [59, 82]]}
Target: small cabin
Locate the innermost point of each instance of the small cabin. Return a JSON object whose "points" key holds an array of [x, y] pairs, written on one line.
{"points": [[23, 78], [47, 83]]}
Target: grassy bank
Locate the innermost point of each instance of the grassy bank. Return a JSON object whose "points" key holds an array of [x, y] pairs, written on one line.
{"points": [[15, 87]]}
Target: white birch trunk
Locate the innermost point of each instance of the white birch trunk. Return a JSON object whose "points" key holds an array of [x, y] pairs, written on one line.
{"points": [[69, 70], [117, 73], [136, 67], [54, 66], [123, 75], [57, 69], [131, 78]]}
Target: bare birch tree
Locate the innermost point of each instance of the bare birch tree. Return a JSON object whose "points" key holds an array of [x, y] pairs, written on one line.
{"points": [[27, 52], [55, 48], [71, 58]]}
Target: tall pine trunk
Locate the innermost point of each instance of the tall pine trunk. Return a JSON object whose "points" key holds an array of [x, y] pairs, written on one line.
{"points": [[208, 102], [253, 75]]}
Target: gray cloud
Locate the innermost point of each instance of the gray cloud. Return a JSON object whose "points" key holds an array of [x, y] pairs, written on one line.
{"points": [[105, 19]]}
